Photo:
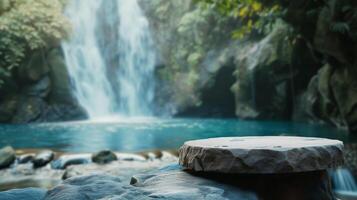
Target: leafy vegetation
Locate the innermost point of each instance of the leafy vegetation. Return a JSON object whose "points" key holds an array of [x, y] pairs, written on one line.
{"points": [[26, 26], [255, 15]]}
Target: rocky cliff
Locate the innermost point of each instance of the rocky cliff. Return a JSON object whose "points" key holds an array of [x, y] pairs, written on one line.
{"points": [[302, 70]]}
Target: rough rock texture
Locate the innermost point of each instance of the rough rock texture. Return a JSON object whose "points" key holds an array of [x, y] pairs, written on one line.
{"points": [[191, 61], [92, 187], [39, 91], [171, 183], [350, 154], [7, 157], [261, 155], [25, 194]]}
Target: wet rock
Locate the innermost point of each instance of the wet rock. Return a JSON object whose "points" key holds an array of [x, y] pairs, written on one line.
{"points": [[43, 158], [171, 183], [64, 161], [25, 194], [261, 155], [7, 157], [23, 159], [69, 173], [104, 157], [94, 187], [160, 185]]}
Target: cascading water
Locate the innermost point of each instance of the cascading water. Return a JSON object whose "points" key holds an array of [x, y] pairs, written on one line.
{"points": [[110, 58], [343, 180]]}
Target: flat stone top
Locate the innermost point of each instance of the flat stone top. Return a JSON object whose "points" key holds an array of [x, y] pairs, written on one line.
{"points": [[276, 143], [261, 155]]}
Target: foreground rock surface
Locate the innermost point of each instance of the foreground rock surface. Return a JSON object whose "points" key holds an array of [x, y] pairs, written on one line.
{"points": [[172, 183], [26, 194], [261, 155]]}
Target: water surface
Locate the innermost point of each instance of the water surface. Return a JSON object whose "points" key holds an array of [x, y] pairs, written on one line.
{"points": [[141, 135]]}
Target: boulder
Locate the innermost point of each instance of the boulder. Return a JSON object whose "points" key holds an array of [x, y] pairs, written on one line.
{"points": [[172, 183], [261, 155], [331, 98], [104, 157], [64, 161], [43, 158], [7, 157], [28, 194], [26, 158]]}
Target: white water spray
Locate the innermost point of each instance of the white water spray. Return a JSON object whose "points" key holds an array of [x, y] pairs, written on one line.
{"points": [[110, 57]]}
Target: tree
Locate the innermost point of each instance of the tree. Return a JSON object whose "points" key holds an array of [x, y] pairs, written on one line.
{"points": [[26, 26], [255, 15]]}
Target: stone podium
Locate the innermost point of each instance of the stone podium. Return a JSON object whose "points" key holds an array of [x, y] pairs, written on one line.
{"points": [[272, 167]]}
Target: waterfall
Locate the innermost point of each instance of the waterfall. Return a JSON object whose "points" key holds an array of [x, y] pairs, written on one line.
{"points": [[343, 180], [110, 58]]}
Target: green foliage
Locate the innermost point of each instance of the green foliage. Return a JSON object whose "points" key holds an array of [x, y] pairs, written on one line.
{"points": [[255, 15], [26, 26]]}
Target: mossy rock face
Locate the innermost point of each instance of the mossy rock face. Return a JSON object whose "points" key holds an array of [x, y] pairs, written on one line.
{"points": [[262, 74], [332, 97], [61, 88], [35, 68]]}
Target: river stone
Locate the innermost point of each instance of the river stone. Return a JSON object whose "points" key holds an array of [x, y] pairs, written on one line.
{"points": [[66, 160], [104, 157], [7, 157], [43, 158], [261, 155]]}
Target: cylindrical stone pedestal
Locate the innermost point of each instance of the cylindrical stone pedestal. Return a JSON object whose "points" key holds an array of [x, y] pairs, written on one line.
{"points": [[285, 168]]}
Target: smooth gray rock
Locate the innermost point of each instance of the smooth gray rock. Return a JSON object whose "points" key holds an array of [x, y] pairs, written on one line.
{"points": [[261, 155], [43, 158], [7, 157], [174, 184], [23, 194], [166, 184]]}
